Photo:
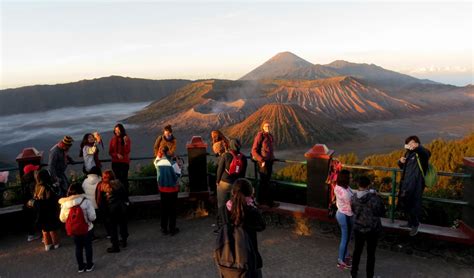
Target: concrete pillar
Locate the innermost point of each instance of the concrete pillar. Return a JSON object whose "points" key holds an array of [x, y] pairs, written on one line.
{"points": [[197, 164], [318, 159]]}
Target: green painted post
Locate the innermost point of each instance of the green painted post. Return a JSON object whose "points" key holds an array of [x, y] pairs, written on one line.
{"points": [[392, 197]]}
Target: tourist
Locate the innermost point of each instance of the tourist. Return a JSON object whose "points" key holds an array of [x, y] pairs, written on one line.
{"points": [[166, 139], [242, 212], [344, 194], [167, 174], [414, 163], [46, 206], [28, 182], [58, 161], [112, 201], [219, 141], [367, 208], [90, 151], [119, 149], [231, 166], [76, 197], [263, 153]]}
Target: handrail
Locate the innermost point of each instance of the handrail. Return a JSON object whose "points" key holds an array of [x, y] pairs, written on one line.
{"points": [[398, 170]]}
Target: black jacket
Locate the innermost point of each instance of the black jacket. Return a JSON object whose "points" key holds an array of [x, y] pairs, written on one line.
{"points": [[412, 181], [367, 207], [223, 165]]}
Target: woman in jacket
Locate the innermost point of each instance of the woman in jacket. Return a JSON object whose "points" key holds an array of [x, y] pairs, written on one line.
{"points": [[344, 214], [90, 151], [46, 206], [243, 212], [219, 141], [119, 149], [166, 139], [112, 202], [76, 197], [167, 174]]}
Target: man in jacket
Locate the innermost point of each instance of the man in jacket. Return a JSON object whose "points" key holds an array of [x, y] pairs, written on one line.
{"points": [[414, 163], [367, 207], [57, 163], [262, 152]]}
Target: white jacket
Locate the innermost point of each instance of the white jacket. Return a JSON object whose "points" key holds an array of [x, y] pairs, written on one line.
{"points": [[74, 200], [89, 185]]}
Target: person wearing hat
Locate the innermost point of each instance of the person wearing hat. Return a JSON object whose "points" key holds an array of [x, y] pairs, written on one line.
{"points": [[58, 160], [28, 185]]}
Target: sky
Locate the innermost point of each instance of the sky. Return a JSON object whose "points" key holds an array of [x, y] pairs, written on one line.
{"points": [[50, 42]]}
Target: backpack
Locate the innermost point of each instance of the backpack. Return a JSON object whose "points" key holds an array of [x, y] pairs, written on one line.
{"points": [[235, 254], [237, 163], [76, 223], [431, 175]]}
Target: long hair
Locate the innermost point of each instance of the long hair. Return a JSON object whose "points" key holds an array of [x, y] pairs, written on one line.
{"points": [[108, 177], [43, 184], [217, 135], [240, 189], [75, 189], [85, 141], [123, 133], [344, 178]]}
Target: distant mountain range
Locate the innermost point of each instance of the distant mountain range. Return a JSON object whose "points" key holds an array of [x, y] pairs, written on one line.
{"points": [[113, 89], [304, 101]]}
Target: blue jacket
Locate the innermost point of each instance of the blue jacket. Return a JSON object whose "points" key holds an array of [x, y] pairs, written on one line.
{"points": [[167, 174]]}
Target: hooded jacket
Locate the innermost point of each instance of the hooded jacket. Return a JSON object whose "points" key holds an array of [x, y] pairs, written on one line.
{"points": [[90, 185], [68, 202], [367, 208], [167, 174]]}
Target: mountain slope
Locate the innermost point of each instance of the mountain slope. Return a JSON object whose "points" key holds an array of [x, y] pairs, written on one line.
{"points": [[111, 89], [291, 126]]}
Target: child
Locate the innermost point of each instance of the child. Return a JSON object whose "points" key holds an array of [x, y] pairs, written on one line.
{"points": [[76, 197], [367, 207]]}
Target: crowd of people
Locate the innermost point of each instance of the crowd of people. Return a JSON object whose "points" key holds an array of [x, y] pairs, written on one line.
{"points": [[103, 197]]}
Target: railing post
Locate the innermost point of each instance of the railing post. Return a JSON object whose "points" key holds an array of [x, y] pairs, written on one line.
{"points": [[468, 192], [197, 164], [318, 161], [392, 201]]}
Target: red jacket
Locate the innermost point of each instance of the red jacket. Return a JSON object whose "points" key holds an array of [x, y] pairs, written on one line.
{"points": [[116, 147], [262, 149]]}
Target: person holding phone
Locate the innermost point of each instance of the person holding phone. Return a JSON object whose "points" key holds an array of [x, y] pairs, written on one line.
{"points": [[414, 163]]}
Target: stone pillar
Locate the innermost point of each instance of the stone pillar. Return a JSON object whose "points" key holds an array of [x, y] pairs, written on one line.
{"points": [[197, 164], [468, 192], [318, 160]]}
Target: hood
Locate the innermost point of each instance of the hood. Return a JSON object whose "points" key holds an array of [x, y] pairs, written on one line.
{"points": [[363, 196], [69, 202]]}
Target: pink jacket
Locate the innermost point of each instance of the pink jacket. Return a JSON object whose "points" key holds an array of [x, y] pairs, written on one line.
{"points": [[343, 199]]}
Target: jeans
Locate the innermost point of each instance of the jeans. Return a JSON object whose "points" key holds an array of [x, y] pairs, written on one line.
{"points": [[360, 238], [223, 195], [84, 242], [168, 210], [265, 194], [345, 223]]}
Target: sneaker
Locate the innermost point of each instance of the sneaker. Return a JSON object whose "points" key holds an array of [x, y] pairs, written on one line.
{"points": [[48, 247], [108, 237], [81, 270], [33, 237], [56, 246], [414, 231], [174, 232], [404, 225], [113, 250], [348, 260], [343, 265], [91, 268], [274, 204]]}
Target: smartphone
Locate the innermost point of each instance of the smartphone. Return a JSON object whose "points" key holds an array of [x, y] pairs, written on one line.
{"points": [[407, 146]]}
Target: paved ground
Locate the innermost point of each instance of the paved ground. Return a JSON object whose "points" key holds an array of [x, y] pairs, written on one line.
{"points": [[189, 254]]}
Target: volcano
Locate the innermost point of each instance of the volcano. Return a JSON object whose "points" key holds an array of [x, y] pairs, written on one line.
{"points": [[291, 126]]}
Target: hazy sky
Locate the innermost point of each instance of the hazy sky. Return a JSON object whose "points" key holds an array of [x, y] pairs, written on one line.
{"points": [[64, 41]]}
